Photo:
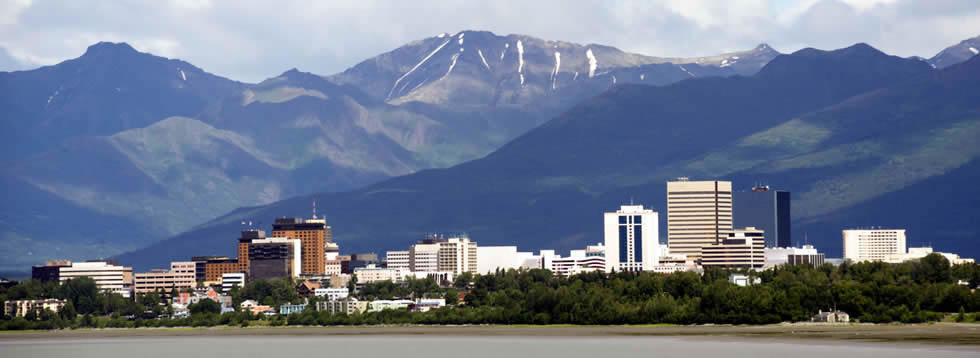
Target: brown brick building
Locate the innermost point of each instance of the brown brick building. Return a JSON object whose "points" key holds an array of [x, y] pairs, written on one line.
{"points": [[313, 234]]}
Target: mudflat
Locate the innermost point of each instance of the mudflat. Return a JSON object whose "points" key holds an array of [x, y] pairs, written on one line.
{"points": [[965, 335]]}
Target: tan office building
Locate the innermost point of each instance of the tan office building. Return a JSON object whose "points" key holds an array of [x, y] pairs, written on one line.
{"points": [[699, 213], [181, 275], [743, 248]]}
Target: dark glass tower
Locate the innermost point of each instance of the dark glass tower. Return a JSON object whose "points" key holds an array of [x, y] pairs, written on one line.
{"points": [[768, 210]]}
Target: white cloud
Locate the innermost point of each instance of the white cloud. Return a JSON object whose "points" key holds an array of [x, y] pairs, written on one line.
{"points": [[251, 40], [11, 9]]}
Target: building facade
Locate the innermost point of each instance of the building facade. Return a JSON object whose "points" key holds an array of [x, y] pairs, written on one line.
{"points": [[178, 277], [776, 256], [348, 305], [699, 213], [398, 259], [274, 257], [215, 268], [372, 273], [873, 244], [107, 277], [457, 255], [767, 210], [743, 248], [20, 308], [313, 234], [632, 239], [230, 280], [50, 271]]}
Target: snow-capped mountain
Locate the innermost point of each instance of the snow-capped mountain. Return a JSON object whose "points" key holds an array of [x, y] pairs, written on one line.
{"points": [[960, 52], [480, 68]]}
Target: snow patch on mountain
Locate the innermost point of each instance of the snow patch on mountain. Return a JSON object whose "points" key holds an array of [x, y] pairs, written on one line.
{"points": [[416, 67], [554, 74], [685, 70], [974, 51], [642, 76], [182, 75], [593, 63], [451, 65], [520, 57], [484, 59], [461, 39]]}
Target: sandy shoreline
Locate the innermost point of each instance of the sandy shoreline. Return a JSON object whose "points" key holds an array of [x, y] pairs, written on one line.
{"points": [[965, 335]]}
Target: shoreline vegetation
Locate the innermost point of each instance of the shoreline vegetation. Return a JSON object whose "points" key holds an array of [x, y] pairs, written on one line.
{"points": [[954, 334]]}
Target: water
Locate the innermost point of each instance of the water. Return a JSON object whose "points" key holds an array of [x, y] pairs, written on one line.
{"points": [[466, 347]]}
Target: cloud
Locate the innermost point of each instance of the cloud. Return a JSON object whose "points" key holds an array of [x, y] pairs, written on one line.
{"points": [[251, 40]]}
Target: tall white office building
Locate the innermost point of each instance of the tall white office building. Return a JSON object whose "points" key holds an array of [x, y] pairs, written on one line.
{"points": [[632, 238], [873, 244]]}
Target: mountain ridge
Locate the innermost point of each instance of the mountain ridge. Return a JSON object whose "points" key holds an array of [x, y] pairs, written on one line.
{"points": [[545, 188]]}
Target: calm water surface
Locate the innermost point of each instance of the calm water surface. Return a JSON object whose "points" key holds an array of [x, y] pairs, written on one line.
{"points": [[465, 347]]}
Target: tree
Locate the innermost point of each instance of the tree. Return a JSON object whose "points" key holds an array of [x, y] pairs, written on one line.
{"points": [[352, 284], [934, 268], [83, 293], [205, 306], [68, 312], [451, 296]]}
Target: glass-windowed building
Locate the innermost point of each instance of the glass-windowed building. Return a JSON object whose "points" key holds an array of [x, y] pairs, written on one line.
{"points": [[632, 239], [767, 210]]}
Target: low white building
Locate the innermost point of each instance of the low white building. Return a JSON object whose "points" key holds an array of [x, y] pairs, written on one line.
{"points": [[428, 304], [578, 261], [107, 277], [743, 280], [775, 256], [230, 280], [917, 253], [381, 305], [493, 258], [20, 308], [332, 293], [372, 273]]}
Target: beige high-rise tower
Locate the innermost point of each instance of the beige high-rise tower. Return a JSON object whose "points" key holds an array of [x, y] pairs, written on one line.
{"points": [[699, 213]]}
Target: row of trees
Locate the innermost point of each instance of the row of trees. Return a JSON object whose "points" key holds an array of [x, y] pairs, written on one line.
{"points": [[870, 292]]}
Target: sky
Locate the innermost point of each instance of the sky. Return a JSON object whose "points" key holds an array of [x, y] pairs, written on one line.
{"points": [[250, 40]]}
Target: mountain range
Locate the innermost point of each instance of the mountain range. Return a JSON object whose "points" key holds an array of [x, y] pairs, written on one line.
{"points": [[118, 149], [860, 138]]}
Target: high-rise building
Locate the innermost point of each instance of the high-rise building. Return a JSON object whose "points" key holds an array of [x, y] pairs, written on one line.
{"points": [[632, 239], [699, 213], [274, 257], [742, 248], [457, 255], [243, 242], [873, 244], [424, 255], [313, 234], [767, 210]]}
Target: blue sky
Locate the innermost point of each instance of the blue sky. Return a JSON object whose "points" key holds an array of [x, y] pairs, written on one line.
{"points": [[251, 40]]}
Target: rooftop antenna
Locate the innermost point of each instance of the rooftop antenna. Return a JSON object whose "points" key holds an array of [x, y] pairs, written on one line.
{"points": [[631, 200], [314, 208]]}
